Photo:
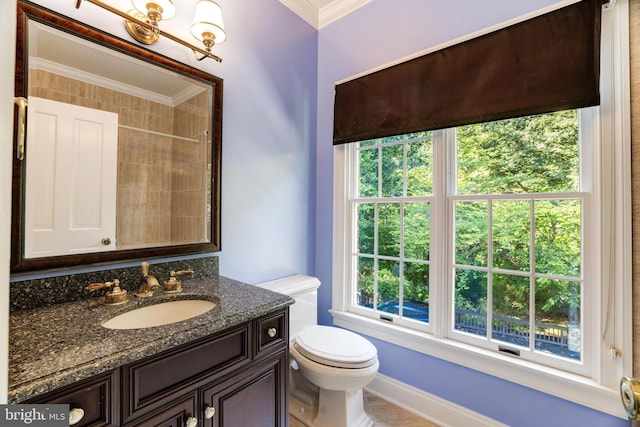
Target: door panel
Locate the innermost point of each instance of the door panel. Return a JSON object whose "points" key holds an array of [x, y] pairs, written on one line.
{"points": [[71, 174]]}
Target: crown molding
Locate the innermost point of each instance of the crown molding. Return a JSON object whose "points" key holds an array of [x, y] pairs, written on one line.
{"points": [[337, 9], [83, 76], [103, 78], [324, 15], [304, 9]]}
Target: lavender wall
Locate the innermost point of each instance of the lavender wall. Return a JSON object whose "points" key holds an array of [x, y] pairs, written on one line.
{"points": [[377, 34], [269, 134], [269, 128]]}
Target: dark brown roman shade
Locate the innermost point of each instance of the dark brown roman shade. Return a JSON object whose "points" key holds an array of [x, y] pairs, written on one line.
{"points": [[544, 64]]}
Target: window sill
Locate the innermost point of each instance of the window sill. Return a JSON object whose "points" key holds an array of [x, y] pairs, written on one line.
{"points": [[557, 383]]}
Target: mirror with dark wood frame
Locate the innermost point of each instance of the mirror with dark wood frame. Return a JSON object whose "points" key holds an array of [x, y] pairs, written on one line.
{"points": [[122, 149]]}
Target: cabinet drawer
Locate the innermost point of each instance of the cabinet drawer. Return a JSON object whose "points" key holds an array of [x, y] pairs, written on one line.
{"points": [[272, 330], [150, 382], [96, 396]]}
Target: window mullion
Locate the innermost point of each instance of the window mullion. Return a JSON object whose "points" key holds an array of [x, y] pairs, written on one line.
{"points": [[379, 170], [401, 260], [490, 270], [375, 254], [353, 191], [376, 229], [401, 237], [440, 292], [532, 275]]}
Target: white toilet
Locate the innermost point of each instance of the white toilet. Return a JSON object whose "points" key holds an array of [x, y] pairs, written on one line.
{"points": [[329, 366]]}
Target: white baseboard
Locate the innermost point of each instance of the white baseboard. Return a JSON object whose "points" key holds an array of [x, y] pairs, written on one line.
{"points": [[427, 406]]}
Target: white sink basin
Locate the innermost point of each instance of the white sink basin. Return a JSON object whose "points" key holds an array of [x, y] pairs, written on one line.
{"points": [[159, 314]]}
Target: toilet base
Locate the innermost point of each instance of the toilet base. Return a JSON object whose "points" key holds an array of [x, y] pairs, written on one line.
{"points": [[303, 397], [335, 409], [301, 411], [341, 409]]}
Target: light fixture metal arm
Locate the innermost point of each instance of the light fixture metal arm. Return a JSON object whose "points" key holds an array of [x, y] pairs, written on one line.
{"points": [[144, 24]]}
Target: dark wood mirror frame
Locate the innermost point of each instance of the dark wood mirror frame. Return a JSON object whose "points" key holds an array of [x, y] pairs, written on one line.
{"points": [[19, 264]]}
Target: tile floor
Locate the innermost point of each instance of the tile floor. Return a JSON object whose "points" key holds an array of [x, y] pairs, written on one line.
{"points": [[384, 414]]}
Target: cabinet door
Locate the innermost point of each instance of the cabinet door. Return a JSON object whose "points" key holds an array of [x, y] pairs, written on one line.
{"points": [[253, 398], [97, 397], [175, 415]]}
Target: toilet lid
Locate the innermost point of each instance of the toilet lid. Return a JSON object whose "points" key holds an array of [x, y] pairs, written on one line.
{"points": [[335, 347]]}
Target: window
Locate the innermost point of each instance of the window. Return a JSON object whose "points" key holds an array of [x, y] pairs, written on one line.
{"points": [[497, 243], [519, 225], [513, 215], [392, 207]]}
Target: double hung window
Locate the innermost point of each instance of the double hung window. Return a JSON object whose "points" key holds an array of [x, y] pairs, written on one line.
{"points": [[512, 224]]}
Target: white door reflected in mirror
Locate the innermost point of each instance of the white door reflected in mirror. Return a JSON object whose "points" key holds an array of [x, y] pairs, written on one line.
{"points": [[72, 154]]}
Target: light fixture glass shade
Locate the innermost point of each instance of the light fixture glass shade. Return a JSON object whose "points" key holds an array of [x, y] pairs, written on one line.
{"points": [[168, 8], [208, 20]]}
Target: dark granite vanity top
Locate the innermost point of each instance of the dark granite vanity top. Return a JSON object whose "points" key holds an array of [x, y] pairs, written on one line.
{"points": [[60, 344]]}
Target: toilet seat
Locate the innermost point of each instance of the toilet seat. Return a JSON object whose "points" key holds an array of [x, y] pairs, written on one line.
{"points": [[335, 347]]}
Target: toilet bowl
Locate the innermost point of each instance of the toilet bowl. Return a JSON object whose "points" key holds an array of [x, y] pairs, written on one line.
{"points": [[330, 366], [340, 364]]}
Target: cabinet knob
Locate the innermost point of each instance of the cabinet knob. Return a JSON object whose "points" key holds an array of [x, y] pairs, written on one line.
{"points": [[272, 332], [209, 412], [106, 241], [191, 422], [75, 415]]}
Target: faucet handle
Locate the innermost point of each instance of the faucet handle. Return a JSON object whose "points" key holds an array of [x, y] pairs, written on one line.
{"points": [[93, 287], [97, 286], [184, 272]]}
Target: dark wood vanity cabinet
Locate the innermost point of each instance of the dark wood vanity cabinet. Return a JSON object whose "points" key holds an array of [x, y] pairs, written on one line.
{"points": [[235, 378]]}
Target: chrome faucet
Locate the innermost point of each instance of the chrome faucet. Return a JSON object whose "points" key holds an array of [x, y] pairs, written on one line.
{"points": [[148, 282]]}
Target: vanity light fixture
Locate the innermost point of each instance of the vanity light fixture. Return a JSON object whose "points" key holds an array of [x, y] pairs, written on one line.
{"points": [[142, 23]]}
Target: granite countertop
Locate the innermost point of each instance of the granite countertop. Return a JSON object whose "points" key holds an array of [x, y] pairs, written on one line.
{"points": [[53, 346]]}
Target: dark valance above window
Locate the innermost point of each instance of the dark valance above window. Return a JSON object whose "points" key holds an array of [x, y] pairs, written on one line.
{"points": [[544, 64]]}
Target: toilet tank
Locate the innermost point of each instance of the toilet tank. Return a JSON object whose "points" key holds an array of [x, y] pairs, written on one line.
{"points": [[304, 290]]}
